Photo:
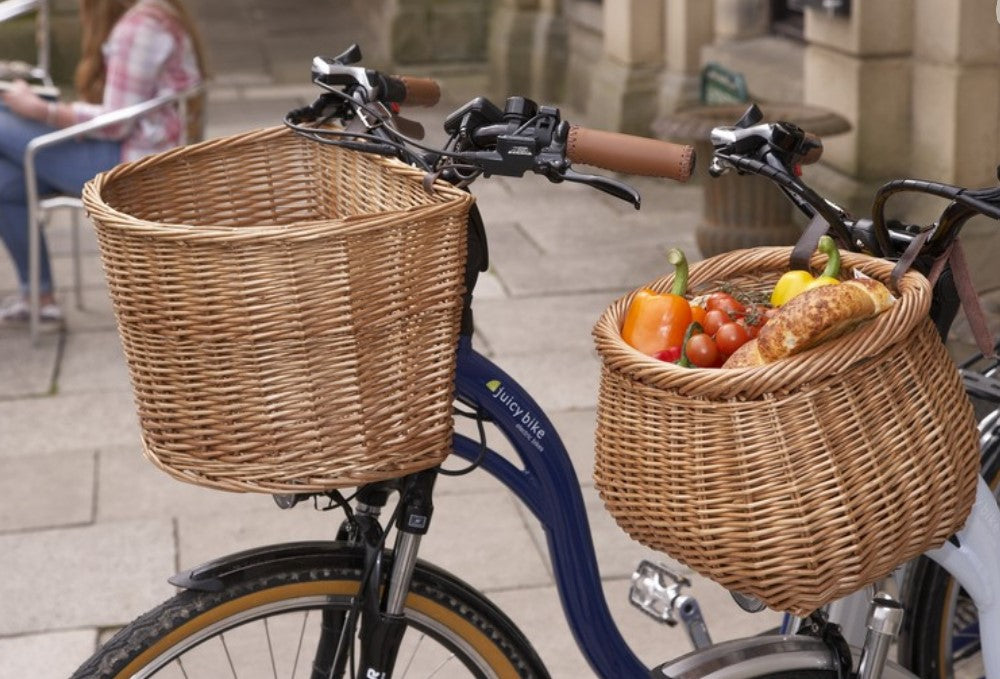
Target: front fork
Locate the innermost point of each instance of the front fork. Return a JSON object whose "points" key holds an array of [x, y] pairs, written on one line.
{"points": [[379, 609]]}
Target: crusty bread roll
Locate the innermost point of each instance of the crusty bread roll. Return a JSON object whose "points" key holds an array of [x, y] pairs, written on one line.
{"points": [[812, 317], [746, 356]]}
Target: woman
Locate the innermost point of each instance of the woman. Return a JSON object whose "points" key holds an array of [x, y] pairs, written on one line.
{"points": [[132, 51]]}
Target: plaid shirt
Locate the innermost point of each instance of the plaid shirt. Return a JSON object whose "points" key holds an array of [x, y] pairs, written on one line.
{"points": [[148, 54]]}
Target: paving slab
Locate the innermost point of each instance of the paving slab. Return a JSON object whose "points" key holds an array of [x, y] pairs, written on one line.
{"points": [[47, 491], [93, 363], [94, 576], [558, 380], [526, 270], [54, 655], [82, 421], [547, 323], [28, 370]]}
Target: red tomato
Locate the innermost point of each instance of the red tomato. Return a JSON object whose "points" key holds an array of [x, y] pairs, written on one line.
{"points": [[701, 351], [725, 302], [731, 337], [715, 319]]}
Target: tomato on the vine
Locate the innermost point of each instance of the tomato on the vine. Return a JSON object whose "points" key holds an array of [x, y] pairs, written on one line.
{"points": [[731, 337], [725, 302], [701, 351], [715, 319]]}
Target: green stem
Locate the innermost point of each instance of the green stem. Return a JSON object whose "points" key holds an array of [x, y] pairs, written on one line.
{"points": [[829, 248], [677, 258]]}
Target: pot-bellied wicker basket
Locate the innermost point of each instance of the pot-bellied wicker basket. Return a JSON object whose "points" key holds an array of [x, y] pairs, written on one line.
{"points": [[289, 310], [799, 481]]}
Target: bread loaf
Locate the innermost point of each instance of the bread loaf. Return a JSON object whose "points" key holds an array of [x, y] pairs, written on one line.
{"points": [[812, 317]]}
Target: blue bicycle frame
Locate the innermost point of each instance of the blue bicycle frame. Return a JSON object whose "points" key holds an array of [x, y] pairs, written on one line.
{"points": [[548, 486]]}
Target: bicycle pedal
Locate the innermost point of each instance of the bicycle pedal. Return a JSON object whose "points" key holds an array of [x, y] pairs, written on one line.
{"points": [[654, 591]]}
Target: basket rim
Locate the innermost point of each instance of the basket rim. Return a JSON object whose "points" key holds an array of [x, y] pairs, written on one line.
{"points": [[451, 198], [829, 358]]}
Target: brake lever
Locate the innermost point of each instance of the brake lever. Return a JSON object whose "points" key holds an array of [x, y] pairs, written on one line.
{"points": [[608, 185]]}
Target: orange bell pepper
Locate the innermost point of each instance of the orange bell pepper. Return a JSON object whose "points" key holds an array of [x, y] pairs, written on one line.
{"points": [[656, 322]]}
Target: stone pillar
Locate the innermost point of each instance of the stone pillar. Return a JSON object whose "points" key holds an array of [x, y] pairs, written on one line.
{"points": [[511, 43], [585, 45], [956, 92], [689, 26], [859, 66], [625, 85], [956, 109], [425, 32], [741, 19], [550, 53]]}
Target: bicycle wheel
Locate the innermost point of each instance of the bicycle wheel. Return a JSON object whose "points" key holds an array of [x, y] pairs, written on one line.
{"points": [[266, 622], [940, 637]]}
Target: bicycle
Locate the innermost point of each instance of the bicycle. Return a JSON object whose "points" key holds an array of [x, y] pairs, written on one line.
{"points": [[355, 586]]}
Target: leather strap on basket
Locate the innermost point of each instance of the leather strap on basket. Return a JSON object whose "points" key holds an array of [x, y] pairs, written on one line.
{"points": [[971, 304], [803, 250], [967, 295]]}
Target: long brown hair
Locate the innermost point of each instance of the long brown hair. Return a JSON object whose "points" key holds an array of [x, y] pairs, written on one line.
{"points": [[97, 18]]}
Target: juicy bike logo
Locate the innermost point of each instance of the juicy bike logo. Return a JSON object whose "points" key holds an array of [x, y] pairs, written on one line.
{"points": [[526, 422]]}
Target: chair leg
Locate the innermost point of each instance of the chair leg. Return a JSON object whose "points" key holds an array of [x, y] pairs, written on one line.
{"points": [[77, 267]]}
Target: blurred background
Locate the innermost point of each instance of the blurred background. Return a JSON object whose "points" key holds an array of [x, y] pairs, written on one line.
{"points": [[901, 87]]}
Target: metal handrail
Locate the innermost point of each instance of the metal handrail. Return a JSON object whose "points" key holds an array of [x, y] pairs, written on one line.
{"points": [[102, 121]]}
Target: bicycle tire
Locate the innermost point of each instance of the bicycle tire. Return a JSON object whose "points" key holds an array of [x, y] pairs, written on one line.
{"points": [[940, 628], [474, 635]]}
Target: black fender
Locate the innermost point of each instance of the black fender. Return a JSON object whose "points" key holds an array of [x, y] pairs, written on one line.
{"points": [[209, 576]]}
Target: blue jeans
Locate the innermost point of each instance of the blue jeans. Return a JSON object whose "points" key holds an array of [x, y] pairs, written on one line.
{"points": [[63, 168]]}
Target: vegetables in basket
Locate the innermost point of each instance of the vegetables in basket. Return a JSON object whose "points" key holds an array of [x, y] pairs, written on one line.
{"points": [[795, 282], [657, 322], [812, 317]]}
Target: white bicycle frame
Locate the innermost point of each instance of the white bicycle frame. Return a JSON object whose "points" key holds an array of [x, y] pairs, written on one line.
{"points": [[974, 563]]}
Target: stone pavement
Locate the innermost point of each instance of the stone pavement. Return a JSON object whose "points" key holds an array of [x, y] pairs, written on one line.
{"points": [[89, 531]]}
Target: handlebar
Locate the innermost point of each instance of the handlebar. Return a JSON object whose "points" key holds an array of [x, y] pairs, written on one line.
{"points": [[418, 91], [774, 150], [484, 139], [630, 154]]}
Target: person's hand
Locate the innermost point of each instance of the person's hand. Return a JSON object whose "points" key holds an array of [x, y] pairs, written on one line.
{"points": [[22, 101]]}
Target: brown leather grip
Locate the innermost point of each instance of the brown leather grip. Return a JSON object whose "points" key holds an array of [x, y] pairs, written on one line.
{"points": [[815, 152], [420, 91], [629, 154]]}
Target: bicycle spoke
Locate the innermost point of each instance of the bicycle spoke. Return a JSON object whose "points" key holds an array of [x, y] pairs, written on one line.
{"points": [[298, 649], [270, 649], [183, 671], [443, 663], [229, 658], [413, 654]]}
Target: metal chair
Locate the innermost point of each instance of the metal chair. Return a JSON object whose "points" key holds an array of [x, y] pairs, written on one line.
{"points": [[9, 9], [40, 207]]}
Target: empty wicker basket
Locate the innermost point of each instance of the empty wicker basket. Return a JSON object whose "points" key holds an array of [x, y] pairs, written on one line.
{"points": [[289, 310], [799, 481]]}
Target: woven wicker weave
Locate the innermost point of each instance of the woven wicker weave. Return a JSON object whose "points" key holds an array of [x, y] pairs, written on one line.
{"points": [[799, 481], [289, 310]]}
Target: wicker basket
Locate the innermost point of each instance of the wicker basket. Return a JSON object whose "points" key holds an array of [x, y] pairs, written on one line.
{"points": [[799, 481], [289, 310]]}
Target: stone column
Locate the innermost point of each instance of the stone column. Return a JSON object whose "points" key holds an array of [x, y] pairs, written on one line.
{"points": [[859, 67], [550, 53], [741, 19], [956, 91], [511, 43], [956, 109], [625, 85], [689, 26]]}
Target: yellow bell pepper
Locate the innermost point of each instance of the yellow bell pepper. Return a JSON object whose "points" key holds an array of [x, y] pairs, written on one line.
{"points": [[794, 282]]}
